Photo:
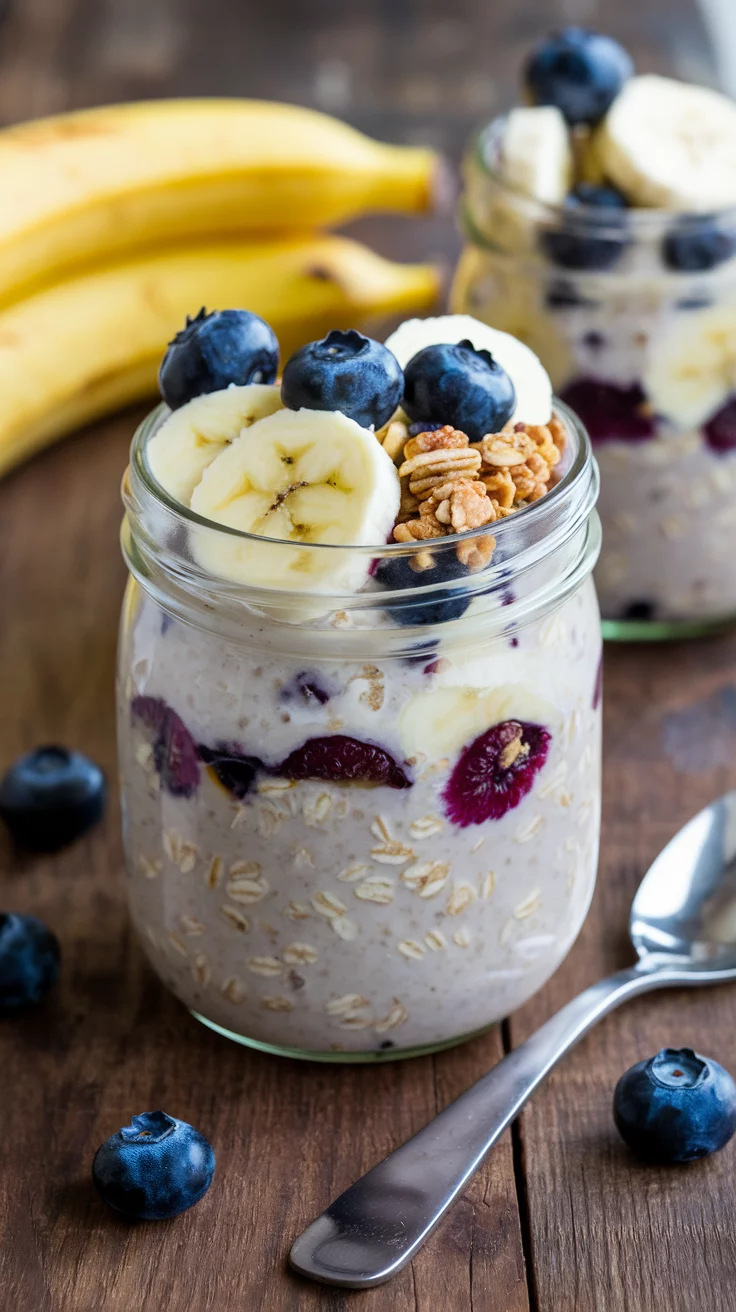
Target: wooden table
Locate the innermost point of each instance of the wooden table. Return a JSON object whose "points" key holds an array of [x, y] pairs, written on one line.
{"points": [[562, 1219]]}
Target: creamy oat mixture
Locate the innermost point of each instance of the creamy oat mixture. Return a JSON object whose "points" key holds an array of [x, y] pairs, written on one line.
{"points": [[341, 917]]}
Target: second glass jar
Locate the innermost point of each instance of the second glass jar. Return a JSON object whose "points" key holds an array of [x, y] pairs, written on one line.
{"points": [[633, 314]]}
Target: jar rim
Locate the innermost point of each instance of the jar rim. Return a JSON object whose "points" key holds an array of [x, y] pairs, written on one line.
{"points": [[541, 555], [645, 221]]}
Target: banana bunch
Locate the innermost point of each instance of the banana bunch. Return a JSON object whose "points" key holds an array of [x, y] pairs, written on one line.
{"points": [[118, 222]]}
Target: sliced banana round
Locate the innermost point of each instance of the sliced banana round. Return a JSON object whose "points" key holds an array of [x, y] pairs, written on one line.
{"points": [[442, 721], [188, 441], [691, 370], [536, 155], [531, 381], [301, 477], [670, 144]]}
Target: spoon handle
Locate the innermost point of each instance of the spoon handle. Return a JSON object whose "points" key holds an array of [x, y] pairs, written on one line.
{"points": [[373, 1229]]}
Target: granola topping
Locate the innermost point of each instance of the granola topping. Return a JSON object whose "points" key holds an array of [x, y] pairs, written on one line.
{"points": [[452, 486]]}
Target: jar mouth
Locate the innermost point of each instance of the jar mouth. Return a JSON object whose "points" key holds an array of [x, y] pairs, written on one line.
{"points": [[541, 555], [565, 488], [640, 223]]}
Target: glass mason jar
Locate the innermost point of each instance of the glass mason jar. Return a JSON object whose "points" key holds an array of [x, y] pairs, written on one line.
{"points": [[360, 826], [633, 313]]}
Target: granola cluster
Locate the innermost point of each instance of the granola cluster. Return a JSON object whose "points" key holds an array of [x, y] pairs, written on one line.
{"points": [[451, 485]]}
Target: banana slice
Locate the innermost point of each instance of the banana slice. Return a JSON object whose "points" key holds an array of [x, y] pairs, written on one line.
{"points": [[300, 476], [536, 155], [692, 368], [443, 721], [188, 441], [670, 144], [530, 379]]}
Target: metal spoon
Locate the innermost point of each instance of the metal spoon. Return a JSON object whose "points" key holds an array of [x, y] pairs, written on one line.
{"points": [[683, 927]]}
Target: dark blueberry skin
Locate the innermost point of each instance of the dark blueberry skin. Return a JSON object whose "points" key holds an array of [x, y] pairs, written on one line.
{"points": [[398, 573], [696, 245], [154, 1168], [50, 797], [232, 769], [29, 961], [575, 245], [215, 350], [455, 384], [348, 372], [676, 1107], [580, 72]]}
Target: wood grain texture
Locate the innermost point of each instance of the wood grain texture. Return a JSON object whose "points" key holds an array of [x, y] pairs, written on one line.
{"points": [[598, 1232]]}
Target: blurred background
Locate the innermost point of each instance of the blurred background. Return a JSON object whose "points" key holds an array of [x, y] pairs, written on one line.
{"points": [[403, 70]]}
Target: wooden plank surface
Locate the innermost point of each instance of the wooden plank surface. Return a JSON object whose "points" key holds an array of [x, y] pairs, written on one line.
{"points": [[560, 1221]]}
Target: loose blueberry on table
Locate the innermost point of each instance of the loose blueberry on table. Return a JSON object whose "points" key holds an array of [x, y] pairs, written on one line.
{"points": [[51, 796], [215, 350], [348, 372], [579, 72], [154, 1168], [29, 961], [675, 1107], [457, 384]]}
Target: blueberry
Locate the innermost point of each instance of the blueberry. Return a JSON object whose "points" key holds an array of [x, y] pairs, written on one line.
{"points": [[51, 796], [348, 372], [29, 961], [580, 72], [398, 573], [676, 1107], [215, 350], [232, 769], [577, 245], [458, 385], [695, 245], [154, 1168]]}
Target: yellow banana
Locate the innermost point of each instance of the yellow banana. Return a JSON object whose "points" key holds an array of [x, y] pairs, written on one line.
{"points": [[98, 183], [82, 347]]}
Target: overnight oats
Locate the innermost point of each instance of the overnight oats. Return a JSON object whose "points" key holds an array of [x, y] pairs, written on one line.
{"points": [[359, 686], [601, 230]]}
